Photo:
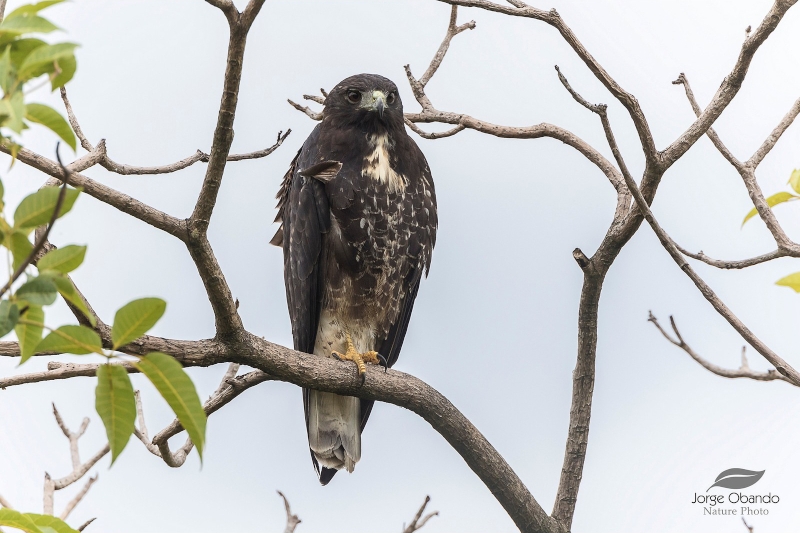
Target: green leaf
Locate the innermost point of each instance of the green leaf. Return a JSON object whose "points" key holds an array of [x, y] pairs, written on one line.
{"points": [[30, 335], [2, 194], [116, 406], [792, 281], [178, 390], [29, 24], [67, 289], [44, 56], [772, 201], [7, 74], [20, 247], [67, 65], [135, 318], [9, 314], [32, 9], [37, 209], [17, 520], [794, 180], [38, 291], [51, 523], [78, 340], [21, 48], [12, 109], [52, 119], [64, 259]]}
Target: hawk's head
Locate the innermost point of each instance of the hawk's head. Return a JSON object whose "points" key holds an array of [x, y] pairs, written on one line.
{"points": [[367, 100]]}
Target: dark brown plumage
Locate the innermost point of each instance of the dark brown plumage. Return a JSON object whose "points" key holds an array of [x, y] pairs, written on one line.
{"points": [[358, 209]]}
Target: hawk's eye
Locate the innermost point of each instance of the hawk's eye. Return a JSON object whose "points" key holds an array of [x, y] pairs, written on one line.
{"points": [[353, 97], [391, 98]]}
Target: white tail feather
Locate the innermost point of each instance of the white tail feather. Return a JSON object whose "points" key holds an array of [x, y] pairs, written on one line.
{"points": [[333, 435]]}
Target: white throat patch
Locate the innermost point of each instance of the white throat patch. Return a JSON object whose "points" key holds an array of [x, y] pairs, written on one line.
{"points": [[377, 167]]}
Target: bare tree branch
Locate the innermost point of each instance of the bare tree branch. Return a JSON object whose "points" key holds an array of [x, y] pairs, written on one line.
{"points": [[305, 109], [4, 503], [417, 524], [747, 170], [742, 372], [730, 85], [78, 497], [98, 154], [105, 194], [551, 17], [453, 29], [728, 265], [223, 133], [234, 344], [78, 469], [292, 520], [782, 366], [434, 135], [773, 137], [73, 122], [86, 524], [229, 388], [55, 371]]}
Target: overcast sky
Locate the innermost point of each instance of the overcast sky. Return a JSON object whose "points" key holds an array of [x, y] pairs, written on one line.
{"points": [[494, 327]]}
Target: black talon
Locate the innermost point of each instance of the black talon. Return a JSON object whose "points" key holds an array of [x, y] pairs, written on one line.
{"points": [[363, 378], [336, 356], [384, 362]]}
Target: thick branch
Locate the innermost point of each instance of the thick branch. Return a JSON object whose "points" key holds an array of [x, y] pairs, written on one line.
{"points": [[227, 319], [401, 389], [742, 372], [188, 353], [223, 133]]}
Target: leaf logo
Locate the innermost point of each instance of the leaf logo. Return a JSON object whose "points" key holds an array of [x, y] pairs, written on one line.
{"points": [[737, 478]]}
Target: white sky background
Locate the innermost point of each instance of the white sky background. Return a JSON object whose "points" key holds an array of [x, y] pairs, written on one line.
{"points": [[494, 328]]}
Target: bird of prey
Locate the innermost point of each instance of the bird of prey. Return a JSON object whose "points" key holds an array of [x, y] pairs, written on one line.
{"points": [[358, 213]]}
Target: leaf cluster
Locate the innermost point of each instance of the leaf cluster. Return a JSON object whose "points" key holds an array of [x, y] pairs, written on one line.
{"points": [[28, 292], [25, 58]]}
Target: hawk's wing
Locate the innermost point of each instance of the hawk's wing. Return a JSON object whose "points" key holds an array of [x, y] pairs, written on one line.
{"points": [[304, 211]]}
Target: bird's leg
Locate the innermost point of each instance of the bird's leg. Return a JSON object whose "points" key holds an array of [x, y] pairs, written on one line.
{"points": [[360, 359]]}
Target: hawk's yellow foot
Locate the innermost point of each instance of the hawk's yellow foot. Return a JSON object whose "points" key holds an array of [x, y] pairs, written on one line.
{"points": [[360, 359]]}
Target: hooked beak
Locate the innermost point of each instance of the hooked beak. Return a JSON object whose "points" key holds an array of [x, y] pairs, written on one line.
{"points": [[380, 102]]}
